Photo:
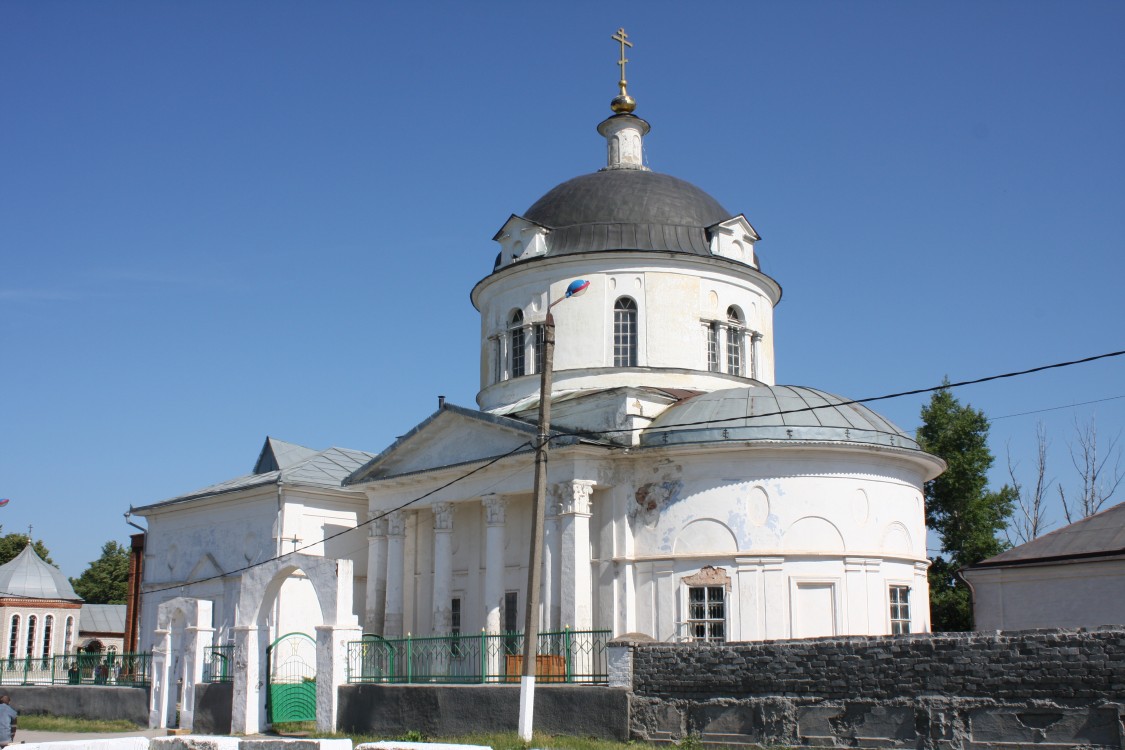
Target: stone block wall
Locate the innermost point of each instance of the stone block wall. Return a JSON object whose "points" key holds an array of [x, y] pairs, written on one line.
{"points": [[1050, 688]]}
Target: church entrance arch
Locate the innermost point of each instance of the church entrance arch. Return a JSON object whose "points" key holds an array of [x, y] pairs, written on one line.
{"points": [[291, 679]]}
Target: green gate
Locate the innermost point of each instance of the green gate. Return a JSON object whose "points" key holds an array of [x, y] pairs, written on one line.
{"points": [[291, 676]]}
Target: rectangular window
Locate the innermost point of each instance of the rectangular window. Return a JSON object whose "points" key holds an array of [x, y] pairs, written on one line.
{"points": [[900, 610], [713, 347], [511, 623], [707, 613], [540, 337], [519, 353], [734, 349]]}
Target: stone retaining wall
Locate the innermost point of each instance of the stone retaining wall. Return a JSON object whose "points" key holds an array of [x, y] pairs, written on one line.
{"points": [[1054, 689], [84, 701]]}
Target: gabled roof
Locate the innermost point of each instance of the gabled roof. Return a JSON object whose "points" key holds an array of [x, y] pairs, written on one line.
{"points": [[278, 454], [27, 575], [1099, 535], [102, 618], [298, 466], [383, 465]]}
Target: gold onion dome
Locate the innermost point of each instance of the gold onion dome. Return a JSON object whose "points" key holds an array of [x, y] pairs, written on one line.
{"points": [[623, 104]]}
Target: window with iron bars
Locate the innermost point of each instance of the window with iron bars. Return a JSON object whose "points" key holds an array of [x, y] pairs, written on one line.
{"points": [[707, 613], [900, 610], [713, 346], [625, 333], [519, 354]]}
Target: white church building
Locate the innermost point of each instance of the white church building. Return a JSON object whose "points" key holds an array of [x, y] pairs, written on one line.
{"points": [[690, 497]]}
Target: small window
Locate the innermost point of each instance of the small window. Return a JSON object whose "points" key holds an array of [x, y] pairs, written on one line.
{"points": [[625, 333], [14, 639], [519, 352], [68, 636], [734, 341], [707, 613], [540, 338], [713, 346], [900, 610], [48, 625], [32, 621], [512, 645]]}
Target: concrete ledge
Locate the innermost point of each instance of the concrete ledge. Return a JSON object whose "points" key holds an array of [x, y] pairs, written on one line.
{"points": [[194, 742], [392, 745], [116, 743], [294, 744]]}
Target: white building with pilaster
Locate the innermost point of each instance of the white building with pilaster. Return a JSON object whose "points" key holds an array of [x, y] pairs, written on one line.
{"points": [[690, 497]]}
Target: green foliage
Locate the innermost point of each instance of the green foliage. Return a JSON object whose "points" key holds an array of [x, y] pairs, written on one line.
{"points": [[959, 508], [106, 580], [13, 544], [413, 735], [73, 724]]}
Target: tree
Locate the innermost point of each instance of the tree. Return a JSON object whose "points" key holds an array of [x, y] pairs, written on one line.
{"points": [[1030, 518], [1099, 481], [13, 544], [959, 507], [106, 580]]}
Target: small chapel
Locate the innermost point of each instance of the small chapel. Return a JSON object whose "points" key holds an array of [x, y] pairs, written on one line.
{"points": [[689, 496]]}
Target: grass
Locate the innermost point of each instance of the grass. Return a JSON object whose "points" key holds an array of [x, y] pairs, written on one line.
{"points": [[44, 723]]}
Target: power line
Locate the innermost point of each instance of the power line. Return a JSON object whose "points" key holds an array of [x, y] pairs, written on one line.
{"points": [[849, 402], [1056, 408], [348, 530], [527, 444]]}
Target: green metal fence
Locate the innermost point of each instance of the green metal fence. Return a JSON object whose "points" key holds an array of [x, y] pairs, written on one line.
{"points": [[218, 663], [562, 656], [78, 669]]}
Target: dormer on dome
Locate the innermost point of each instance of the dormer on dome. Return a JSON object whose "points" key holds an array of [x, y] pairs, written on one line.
{"points": [[734, 239], [520, 239]]}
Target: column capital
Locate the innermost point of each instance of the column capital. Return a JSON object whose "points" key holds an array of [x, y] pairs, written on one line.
{"points": [[574, 496], [377, 528], [756, 336], [494, 507], [396, 523], [443, 516]]}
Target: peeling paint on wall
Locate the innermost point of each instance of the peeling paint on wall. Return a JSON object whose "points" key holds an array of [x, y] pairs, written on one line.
{"points": [[653, 497]]}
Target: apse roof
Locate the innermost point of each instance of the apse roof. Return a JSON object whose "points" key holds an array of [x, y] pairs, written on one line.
{"points": [[1099, 535], [102, 618], [27, 575], [627, 209], [776, 413]]}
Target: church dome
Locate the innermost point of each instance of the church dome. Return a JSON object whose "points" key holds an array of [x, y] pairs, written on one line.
{"points": [[627, 209], [773, 413], [28, 576]]}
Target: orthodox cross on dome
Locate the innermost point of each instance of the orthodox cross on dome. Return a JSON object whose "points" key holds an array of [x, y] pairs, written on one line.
{"points": [[623, 38], [29, 533]]}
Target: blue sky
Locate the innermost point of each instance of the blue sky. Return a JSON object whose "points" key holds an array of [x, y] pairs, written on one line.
{"points": [[222, 221]]}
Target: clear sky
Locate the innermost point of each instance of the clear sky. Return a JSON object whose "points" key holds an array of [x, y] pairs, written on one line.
{"points": [[226, 220]]}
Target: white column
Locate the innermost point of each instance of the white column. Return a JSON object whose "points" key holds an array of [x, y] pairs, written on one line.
{"points": [[664, 603], [920, 599], [376, 576], [550, 599], [248, 681], [778, 621], [494, 508], [396, 550], [756, 355], [575, 584], [331, 670], [724, 366], [857, 618], [749, 600], [161, 667], [443, 567]]}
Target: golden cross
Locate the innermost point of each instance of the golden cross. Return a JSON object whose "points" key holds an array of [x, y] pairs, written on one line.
{"points": [[623, 38]]}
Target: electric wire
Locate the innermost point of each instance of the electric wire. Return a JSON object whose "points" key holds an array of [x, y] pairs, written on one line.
{"points": [[384, 514], [587, 434]]}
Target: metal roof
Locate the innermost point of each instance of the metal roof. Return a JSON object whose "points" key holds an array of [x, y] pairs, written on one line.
{"points": [[773, 412], [626, 209], [326, 468], [27, 575], [102, 618], [1099, 535]]}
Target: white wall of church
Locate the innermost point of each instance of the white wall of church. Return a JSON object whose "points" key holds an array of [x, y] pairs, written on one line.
{"points": [[672, 345], [1071, 594]]}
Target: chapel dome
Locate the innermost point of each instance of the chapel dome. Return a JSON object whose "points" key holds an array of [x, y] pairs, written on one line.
{"points": [[773, 413], [28, 576], [627, 209]]}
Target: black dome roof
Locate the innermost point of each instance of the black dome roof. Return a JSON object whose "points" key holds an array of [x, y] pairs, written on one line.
{"points": [[631, 196]]}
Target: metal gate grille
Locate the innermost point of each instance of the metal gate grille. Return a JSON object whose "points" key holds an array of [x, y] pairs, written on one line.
{"points": [[291, 673]]}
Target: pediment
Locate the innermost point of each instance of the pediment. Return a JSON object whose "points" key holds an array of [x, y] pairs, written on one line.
{"points": [[451, 436]]}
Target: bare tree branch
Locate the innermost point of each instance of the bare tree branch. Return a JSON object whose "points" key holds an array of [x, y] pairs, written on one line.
{"points": [[1030, 519], [1099, 481]]}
